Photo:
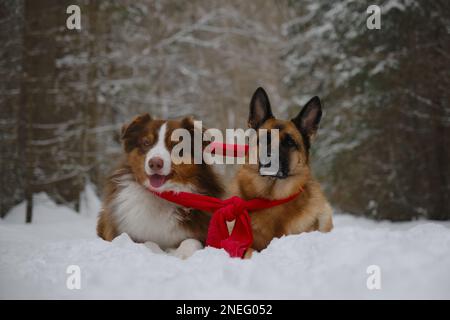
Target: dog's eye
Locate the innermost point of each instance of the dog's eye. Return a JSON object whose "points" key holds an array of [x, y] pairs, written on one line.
{"points": [[290, 142], [146, 142]]}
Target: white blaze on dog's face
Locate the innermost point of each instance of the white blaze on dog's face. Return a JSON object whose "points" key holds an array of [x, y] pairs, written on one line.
{"points": [[158, 162], [148, 145]]}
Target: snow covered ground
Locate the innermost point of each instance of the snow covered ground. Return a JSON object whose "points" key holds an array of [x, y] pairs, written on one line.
{"points": [[414, 261]]}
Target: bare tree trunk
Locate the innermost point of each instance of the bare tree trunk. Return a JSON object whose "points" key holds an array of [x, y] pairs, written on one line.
{"points": [[87, 141], [29, 213], [23, 134]]}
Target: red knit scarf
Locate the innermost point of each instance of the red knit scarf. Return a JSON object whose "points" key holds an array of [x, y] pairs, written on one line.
{"points": [[234, 208]]}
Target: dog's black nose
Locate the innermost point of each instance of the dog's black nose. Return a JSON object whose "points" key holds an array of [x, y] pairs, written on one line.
{"points": [[156, 163]]}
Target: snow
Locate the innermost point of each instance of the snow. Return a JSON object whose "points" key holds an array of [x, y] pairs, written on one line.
{"points": [[413, 258]]}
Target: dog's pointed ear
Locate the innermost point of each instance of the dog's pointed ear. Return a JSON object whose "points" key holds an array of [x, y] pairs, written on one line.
{"points": [[131, 131], [260, 109], [307, 121]]}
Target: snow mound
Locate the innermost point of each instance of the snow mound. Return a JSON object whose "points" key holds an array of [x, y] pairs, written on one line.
{"points": [[46, 211], [413, 260]]}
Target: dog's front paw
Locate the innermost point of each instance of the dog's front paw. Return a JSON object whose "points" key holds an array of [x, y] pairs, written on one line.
{"points": [[153, 247], [248, 253], [187, 248]]}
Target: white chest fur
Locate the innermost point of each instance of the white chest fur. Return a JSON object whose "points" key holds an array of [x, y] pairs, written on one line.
{"points": [[145, 217]]}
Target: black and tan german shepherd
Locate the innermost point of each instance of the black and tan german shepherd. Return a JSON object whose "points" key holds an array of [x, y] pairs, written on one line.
{"points": [[310, 210]]}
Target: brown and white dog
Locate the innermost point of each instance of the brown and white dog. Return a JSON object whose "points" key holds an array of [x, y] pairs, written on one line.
{"points": [[129, 207], [310, 210]]}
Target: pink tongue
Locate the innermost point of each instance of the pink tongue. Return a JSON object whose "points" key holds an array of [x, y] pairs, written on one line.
{"points": [[157, 180]]}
